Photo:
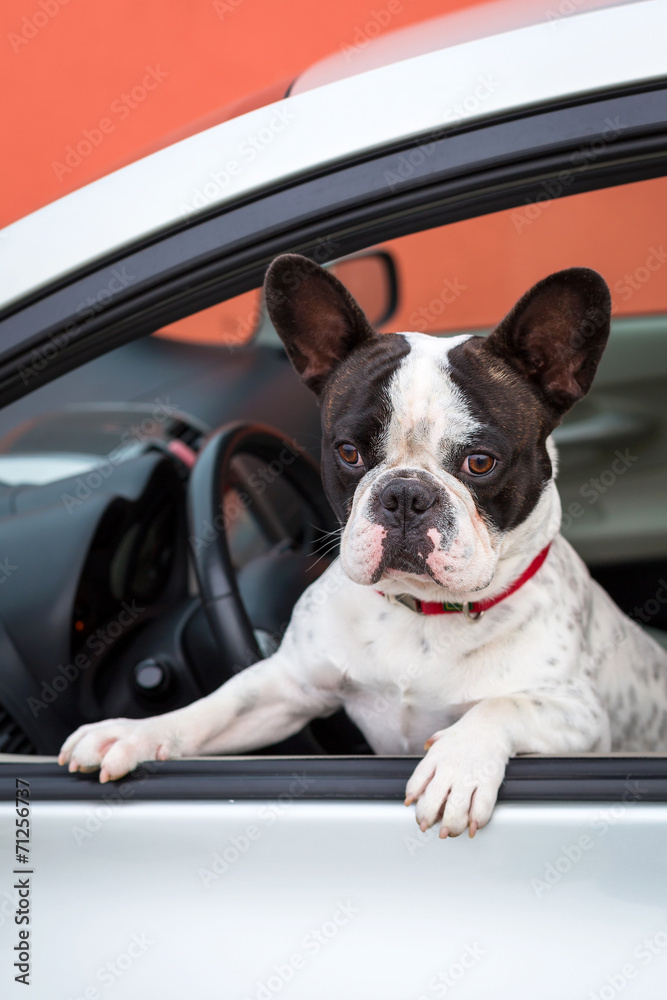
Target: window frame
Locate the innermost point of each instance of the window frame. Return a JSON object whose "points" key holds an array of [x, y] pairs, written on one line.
{"points": [[617, 777], [470, 172]]}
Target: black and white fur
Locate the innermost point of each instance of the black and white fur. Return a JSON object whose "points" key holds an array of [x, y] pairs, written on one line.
{"points": [[555, 667]]}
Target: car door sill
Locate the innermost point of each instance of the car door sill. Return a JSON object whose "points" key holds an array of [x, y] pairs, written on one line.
{"points": [[530, 778]]}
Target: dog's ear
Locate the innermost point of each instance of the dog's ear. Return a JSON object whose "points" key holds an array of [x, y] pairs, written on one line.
{"points": [[316, 318], [555, 335]]}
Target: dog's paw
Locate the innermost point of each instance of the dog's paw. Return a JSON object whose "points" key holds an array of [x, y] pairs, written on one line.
{"points": [[456, 783], [115, 746]]}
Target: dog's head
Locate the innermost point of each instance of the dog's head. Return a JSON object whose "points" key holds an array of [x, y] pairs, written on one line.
{"points": [[435, 449]]}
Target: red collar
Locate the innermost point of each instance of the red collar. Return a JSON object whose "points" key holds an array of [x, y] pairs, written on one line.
{"points": [[473, 610]]}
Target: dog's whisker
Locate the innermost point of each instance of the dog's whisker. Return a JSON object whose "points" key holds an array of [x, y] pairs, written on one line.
{"points": [[327, 546]]}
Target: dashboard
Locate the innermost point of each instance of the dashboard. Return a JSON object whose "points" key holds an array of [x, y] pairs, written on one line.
{"points": [[129, 563], [99, 557], [101, 616]]}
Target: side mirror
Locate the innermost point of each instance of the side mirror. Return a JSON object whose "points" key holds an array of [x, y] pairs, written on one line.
{"points": [[371, 278]]}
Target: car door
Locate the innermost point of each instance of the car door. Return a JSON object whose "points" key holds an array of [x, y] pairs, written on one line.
{"points": [[255, 877]]}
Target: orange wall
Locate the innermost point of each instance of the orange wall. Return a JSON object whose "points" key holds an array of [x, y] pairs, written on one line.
{"points": [[67, 65], [469, 274]]}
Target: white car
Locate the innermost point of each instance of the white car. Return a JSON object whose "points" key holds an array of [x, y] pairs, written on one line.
{"points": [[152, 541]]}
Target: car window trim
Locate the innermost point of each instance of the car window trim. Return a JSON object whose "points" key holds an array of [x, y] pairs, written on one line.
{"points": [[566, 778], [470, 173], [172, 288]]}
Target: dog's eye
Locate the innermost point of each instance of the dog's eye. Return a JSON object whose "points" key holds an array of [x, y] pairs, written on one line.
{"points": [[478, 465], [350, 455]]}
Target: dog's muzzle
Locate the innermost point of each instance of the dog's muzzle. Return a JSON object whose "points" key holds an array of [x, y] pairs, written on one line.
{"points": [[408, 506], [406, 499]]}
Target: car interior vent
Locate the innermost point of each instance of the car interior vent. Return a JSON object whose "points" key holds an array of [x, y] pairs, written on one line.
{"points": [[12, 737], [186, 433]]}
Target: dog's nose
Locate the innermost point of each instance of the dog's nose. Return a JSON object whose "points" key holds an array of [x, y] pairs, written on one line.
{"points": [[405, 497]]}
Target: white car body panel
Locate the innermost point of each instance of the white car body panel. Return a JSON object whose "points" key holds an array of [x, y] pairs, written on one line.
{"points": [[365, 48], [531, 66], [520, 912]]}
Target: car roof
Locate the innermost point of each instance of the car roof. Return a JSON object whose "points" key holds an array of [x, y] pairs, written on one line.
{"points": [[315, 127], [370, 46]]}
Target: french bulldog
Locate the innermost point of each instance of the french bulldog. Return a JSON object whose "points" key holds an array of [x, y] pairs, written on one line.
{"points": [[456, 617]]}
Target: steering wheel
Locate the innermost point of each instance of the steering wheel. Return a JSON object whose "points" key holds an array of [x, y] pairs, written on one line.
{"points": [[224, 485], [264, 591]]}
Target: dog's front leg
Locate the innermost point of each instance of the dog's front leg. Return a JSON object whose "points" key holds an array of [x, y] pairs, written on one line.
{"points": [[263, 704], [457, 782]]}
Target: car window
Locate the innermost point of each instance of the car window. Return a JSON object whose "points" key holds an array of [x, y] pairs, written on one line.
{"points": [[226, 324], [167, 392], [468, 274], [369, 276]]}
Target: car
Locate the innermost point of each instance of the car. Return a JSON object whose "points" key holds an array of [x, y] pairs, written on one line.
{"points": [[160, 513]]}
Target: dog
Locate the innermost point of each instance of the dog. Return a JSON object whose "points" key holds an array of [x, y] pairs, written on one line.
{"points": [[456, 618]]}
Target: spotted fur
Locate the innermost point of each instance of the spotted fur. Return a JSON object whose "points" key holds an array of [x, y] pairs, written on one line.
{"points": [[555, 667]]}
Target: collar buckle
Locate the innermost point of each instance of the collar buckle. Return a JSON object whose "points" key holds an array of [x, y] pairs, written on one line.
{"points": [[469, 614], [407, 600]]}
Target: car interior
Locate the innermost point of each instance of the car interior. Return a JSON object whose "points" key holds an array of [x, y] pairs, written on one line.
{"points": [[117, 535]]}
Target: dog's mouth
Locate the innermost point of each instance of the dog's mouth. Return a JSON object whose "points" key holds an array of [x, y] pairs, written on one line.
{"points": [[415, 571], [407, 573], [428, 586], [423, 566], [411, 533], [410, 567]]}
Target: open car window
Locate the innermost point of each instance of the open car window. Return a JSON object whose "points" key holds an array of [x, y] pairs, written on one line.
{"points": [[169, 392]]}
